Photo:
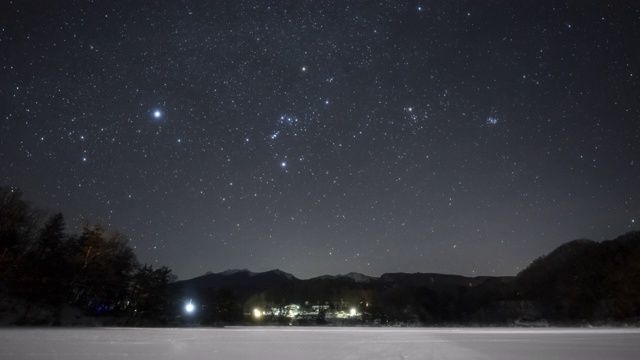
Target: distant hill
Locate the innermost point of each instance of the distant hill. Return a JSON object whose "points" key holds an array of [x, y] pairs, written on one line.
{"points": [[246, 279], [352, 276], [584, 279], [238, 279], [580, 281], [432, 280]]}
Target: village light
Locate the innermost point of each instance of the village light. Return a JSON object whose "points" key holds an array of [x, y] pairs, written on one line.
{"points": [[352, 312], [257, 313]]}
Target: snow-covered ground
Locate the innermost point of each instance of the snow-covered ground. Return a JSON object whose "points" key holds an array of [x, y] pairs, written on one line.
{"points": [[318, 343]]}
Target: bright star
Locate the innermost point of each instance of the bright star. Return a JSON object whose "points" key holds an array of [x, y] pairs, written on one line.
{"points": [[492, 120], [283, 164], [157, 114]]}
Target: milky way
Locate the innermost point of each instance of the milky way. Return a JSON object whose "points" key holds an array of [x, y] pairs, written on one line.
{"points": [[464, 137]]}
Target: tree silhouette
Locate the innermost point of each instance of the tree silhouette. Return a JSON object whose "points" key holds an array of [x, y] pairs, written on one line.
{"points": [[103, 265], [44, 270], [149, 293], [18, 228]]}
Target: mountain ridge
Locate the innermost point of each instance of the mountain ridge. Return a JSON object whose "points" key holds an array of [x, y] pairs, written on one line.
{"points": [[244, 278]]}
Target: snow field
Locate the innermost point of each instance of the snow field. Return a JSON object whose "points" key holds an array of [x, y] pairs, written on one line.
{"points": [[318, 343]]}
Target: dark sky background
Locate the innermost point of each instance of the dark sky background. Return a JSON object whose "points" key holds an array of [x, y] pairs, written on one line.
{"points": [[324, 137]]}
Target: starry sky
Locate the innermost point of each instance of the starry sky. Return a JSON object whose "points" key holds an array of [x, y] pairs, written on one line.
{"points": [[324, 137]]}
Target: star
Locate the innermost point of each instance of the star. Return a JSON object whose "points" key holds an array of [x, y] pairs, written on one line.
{"points": [[381, 123]]}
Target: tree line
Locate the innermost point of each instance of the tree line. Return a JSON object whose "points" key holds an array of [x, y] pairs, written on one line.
{"points": [[43, 268]]}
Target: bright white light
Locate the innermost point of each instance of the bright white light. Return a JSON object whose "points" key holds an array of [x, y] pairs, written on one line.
{"points": [[257, 313], [352, 312], [189, 307], [157, 114]]}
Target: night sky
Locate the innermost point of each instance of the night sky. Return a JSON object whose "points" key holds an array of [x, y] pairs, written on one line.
{"points": [[324, 137]]}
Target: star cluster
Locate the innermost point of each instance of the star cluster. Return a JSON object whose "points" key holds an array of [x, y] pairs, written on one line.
{"points": [[327, 136]]}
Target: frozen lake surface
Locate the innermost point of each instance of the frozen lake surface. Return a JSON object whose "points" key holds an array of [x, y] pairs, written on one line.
{"points": [[318, 343]]}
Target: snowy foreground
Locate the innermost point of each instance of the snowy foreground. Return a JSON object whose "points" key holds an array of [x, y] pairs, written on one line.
{"points": [[318, 343]]}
